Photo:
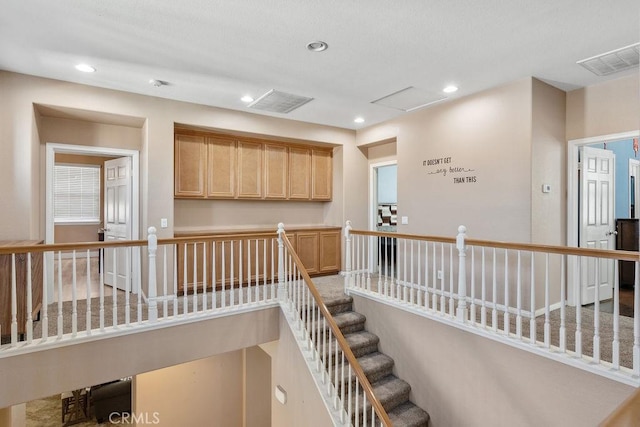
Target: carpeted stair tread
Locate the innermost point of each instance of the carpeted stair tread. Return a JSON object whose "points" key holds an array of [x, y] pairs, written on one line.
{"points": [[408, 415], [362, 342], [348, 322], [391, 391], [338, 304], [376, 366]]}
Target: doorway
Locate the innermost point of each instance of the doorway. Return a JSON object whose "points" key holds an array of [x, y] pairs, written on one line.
{"points": [[575, 206], [132, 205], [383, 209]]}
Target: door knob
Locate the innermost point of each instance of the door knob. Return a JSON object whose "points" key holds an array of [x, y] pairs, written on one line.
{"points": [[612, 233]]}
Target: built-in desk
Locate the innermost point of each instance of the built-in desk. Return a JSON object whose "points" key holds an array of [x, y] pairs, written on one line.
{"points": [[21, 285], [318, 246]]}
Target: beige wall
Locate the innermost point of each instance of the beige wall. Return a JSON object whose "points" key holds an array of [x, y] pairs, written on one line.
{"points": [[22, 130], [462, 379], [205, 392], [47, 372], [603, 109], [304, 406], [257, 390], [490, 133]]}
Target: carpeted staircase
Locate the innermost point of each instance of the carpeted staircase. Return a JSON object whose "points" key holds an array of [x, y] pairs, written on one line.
{"points": [[392, 391]]}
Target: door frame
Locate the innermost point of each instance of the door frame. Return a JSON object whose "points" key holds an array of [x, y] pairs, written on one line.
{"points": [[373, 208], [637, 189], [51, 148], [573, 147]]}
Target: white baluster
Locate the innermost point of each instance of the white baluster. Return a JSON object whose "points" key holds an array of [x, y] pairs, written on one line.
{"points": [[636, 322], [519, 298], [127, 287], [152, 297], [74, 299], [473, 287], [412, 283], [462, 313], [175, 280], [578, 333], [88, 287], [214, 277], [426, 275], [204, 276], [14, 302], [494, 293], [404, 272], [419, 282], [232, 280], [451, 293], [281, 276], [29, 301], [596, 314], [532, 320], [434, 295], [165, 284], [195, 278], [44, 311], [547, 324], [114, 289], [101, 284], [615, 344], [507, 325], [483, 310], [563, 304], [138, 270], [240, 273], [60, 316], [223, 267], [442, 297]]}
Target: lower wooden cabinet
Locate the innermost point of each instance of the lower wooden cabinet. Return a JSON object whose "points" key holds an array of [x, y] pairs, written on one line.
{"points": [[234, 260]]}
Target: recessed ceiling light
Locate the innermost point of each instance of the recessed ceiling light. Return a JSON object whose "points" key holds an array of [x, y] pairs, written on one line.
{"points": [[450, 89], [85, 68], [317, 46], [246, 98], [359, 120]]}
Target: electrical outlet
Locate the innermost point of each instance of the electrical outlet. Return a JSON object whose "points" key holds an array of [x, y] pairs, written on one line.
{"points": [[440, 275]]}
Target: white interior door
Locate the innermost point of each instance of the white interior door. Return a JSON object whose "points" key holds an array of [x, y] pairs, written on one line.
{"points": [[117, 222], [634, 188], [597, 222]]}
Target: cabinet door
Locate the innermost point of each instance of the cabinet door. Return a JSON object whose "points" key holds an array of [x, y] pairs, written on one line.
{"points": [[299, 173], [221, 168], [249, 170], [189, 166], [307, 249], [275, 171], [321, 174], [329, 251]]}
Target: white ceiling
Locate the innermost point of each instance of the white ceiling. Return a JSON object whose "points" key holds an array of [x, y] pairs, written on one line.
{"points": [[213, 52]]}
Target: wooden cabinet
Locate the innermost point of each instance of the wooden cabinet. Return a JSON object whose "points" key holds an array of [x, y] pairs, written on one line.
{"points": [[275, 171], [217, 166], [249, 173], [190, 154], [321, 174], [253, 256], [221, 168], [299, 173], [22, 273]]}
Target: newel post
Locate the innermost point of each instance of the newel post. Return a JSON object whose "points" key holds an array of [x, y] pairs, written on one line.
{"points": [[281, 287], [152, 300], [462, 312], [347, 257]]}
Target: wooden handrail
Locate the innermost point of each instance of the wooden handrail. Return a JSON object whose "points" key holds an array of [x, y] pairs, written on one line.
{"points": [[562, 250], [364, 381], [19, 249], [627, 414]]}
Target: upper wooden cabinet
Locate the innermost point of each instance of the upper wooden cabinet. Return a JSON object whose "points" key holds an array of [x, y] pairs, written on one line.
{"points": [[321, 174], [221, 167], [249, 170], [299, 173], [217, 166], [275, 171], [190, 153]]}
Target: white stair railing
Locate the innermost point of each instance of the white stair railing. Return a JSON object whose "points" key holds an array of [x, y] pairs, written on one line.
{"points": [[516, 292]]}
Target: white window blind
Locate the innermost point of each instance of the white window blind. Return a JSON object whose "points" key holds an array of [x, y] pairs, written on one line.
{"points": [[76, 193]]}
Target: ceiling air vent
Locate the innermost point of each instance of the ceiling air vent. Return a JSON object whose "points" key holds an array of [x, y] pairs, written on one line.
{"points": [[409, 99], [614, 61], [279, 102]]}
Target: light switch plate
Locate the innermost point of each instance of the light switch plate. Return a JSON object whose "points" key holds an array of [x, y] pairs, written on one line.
{"points": [[163, 223], [404, 220], [546, 188]]}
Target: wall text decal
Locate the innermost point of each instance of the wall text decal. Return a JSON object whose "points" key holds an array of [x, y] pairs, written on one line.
{"points": [[444, 165]]}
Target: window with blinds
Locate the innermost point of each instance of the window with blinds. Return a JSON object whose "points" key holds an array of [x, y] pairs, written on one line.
{"points": [[76, 193]]}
